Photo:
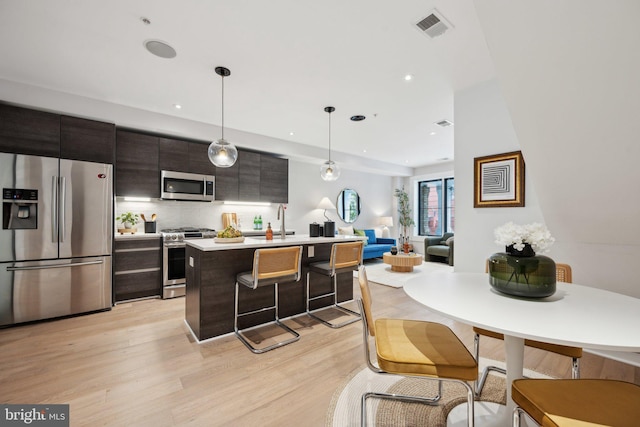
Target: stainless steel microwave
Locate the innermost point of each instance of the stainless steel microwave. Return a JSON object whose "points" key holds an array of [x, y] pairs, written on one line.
{"points": [[187, 186]]}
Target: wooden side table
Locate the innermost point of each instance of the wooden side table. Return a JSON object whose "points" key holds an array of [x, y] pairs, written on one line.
{"points": [[402, 262]]}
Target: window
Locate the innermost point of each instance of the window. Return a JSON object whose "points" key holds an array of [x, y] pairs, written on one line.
{"points": [[436, 207]]}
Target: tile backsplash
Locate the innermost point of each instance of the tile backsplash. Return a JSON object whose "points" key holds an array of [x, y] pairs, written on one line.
{"points": [[174, 214]]}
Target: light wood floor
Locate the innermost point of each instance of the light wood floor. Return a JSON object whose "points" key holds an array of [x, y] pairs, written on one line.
{"points": [[138, 365]]}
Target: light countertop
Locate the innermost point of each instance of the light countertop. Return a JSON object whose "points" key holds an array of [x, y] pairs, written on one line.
{"points": [[261, 242]]}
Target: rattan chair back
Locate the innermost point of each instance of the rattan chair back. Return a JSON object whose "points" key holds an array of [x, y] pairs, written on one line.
{"points": [[366, 299], [346, 255], [270, 263], [563, 273]]}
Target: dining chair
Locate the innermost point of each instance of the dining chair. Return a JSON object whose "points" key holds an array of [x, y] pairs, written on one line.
{"points": [[345, 257], [573, 403], [414, 348], [563, 274], [271, 267]]}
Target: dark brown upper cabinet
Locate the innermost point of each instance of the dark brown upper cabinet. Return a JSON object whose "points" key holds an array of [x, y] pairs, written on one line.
{"points": [[88, 140], [137, 172], [274, 179], [31, 132], [255, 177], [249, 176], [199, 159], [227, 181], [174, 155]]}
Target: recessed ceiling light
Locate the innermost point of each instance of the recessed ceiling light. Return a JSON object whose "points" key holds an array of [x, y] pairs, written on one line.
{"points": [[408, 77], [177, 106], [160, 49], [291, 133], [364, 151], [357, 118], [432, 133]]}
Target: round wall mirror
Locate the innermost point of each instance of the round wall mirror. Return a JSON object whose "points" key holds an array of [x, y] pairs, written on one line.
{"points": [[348, 205]]}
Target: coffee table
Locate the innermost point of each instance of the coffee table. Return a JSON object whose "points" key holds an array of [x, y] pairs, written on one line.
{"points": [[402, 262]]}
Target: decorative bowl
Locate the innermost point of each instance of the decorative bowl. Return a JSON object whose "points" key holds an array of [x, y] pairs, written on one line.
{"points": [[228, 239]]}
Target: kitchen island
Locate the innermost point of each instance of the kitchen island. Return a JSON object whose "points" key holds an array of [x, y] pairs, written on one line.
{"points": [[211, 270]]}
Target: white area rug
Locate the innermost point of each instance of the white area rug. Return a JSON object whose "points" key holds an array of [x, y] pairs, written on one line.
{"points": [[379, 272], [344, 410]]}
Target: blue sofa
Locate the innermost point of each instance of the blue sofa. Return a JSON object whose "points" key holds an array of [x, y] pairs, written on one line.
{"points": [[375, 247]]}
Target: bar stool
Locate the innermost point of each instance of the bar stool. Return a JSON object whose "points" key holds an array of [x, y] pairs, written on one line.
{"points": [[344, 257], [271, 266]]}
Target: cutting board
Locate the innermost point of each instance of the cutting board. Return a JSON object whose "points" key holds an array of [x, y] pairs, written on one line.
{"points": [[228, 219]]}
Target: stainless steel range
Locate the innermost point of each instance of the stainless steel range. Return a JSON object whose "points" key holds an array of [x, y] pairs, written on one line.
{"points": [[173, 259]]}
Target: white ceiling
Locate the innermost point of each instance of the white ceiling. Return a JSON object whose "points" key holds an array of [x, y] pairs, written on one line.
{"points": [[288, 60]]}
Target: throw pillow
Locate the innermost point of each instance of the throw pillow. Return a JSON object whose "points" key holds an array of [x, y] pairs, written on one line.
{"points": [[449, 241], [361, 233], [346, 230]]}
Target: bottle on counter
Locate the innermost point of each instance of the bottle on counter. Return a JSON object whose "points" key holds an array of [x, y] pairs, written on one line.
{"points": [[259, 222], [269, 233], [255, 222]]}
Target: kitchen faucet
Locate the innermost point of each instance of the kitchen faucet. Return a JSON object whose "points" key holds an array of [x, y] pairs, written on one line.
{"points": [[282, 207]]}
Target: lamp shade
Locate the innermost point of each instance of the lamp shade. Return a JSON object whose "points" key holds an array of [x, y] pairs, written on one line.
{"points": [[325, 204], [387, 221]]}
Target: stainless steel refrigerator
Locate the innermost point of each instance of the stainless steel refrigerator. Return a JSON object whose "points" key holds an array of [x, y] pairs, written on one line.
{"points": [[56, 236]]}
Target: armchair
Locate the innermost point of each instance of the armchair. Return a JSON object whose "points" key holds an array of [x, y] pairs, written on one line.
{"points": [[439, 248]]}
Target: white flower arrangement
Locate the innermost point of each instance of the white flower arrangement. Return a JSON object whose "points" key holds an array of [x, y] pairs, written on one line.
{"points": [[537, 235]]}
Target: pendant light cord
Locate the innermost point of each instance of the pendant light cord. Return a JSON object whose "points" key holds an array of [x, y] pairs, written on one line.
{"points": [[223, 107], [329, 136]]}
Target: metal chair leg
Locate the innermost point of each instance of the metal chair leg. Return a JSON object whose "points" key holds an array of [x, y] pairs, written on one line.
{"points": [[335, 306]]}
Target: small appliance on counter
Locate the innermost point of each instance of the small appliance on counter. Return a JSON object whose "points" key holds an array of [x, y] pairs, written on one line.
{"points": [[329, 229], [314, 230]]}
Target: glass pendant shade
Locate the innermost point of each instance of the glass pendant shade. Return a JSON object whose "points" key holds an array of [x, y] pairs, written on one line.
{"points": [[329, 171], [222, 154]]}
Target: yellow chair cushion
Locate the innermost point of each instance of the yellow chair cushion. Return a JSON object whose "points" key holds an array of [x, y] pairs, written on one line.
{"points": [[576, 402], [413, 347], [554, 348]]}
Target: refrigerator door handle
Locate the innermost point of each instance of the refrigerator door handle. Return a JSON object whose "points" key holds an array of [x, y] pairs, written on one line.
{"points": [[54, 209], [61, 204], [44, 267]]}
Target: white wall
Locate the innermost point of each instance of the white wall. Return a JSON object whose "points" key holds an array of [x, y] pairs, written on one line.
{"points": [[483, 127], [572, 91]]}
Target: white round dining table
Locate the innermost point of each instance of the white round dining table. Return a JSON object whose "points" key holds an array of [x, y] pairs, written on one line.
{"points": [[575, 315]]}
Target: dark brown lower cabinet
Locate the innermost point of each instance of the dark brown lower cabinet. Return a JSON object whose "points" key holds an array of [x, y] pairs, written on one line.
{"points": [[137, 268]]}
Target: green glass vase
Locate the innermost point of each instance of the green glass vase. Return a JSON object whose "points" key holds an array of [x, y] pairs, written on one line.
{"points": [[522, 273]]}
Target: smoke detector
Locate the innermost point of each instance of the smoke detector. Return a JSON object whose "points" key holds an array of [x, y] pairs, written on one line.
{"points": [[433, 25]]}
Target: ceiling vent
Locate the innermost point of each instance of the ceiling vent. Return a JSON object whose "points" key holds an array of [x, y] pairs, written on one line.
{"points": [[434, 24], [444, 123]]}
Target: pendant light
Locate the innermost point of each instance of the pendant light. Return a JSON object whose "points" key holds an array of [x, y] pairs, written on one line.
{"points": [[329, 171], [222, 153]]}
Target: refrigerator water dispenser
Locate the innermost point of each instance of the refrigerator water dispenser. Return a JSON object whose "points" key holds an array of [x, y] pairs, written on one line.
{"points": [[19, 209]]}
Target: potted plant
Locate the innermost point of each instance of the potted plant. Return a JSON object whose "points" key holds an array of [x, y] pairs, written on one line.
{"points": [[404, 216], [128, 219]]}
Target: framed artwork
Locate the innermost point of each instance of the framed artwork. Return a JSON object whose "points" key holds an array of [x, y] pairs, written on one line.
{"points": [[498, 180]]}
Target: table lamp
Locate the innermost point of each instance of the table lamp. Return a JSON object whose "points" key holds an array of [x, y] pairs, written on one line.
{"points": [[385, 222], [329, 226]]}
